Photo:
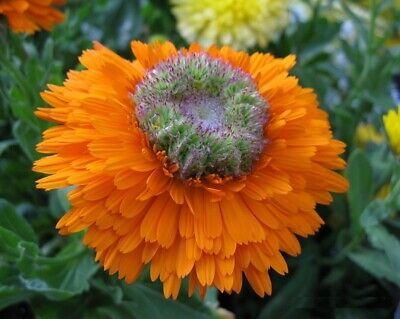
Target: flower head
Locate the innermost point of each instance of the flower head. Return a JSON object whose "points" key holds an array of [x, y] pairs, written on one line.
{"points": [[367, 133], [31, 15], [240, 24], [392, 127], [203, 163]]}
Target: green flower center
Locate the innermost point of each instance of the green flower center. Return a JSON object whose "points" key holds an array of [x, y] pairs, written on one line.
{"points": [[206, 114]]}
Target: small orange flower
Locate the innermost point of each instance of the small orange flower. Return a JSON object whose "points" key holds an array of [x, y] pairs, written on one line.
{"points": [[31, 15], [202, 163]]}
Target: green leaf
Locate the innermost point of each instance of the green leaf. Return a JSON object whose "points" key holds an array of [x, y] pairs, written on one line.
{"points": [[10, 220], [359, 173], [9, 243], [376, 263], [352, 313], [4, 145], [145, 299], [63, 276], [380, 238], [144, 302], [16, 181], [298, 293], [379, 210], [62, 198], [10, 295], [58, 202], [27, 138], [393, 199], [211, 298], [55, 209], [112, 291], [58, 278], [28, 255], [22, 107], [374, 213]]}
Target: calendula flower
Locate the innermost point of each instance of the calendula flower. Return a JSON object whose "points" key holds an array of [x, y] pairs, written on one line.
{"points": [[31, 15], [203, 163], [392, 127], [240, 24], [367, 133]]}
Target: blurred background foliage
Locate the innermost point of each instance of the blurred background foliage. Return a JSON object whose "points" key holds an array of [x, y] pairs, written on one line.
{"points": [[349, 52]]}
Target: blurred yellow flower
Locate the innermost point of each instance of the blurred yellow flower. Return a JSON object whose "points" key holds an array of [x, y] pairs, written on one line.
{"points": [[240, 24], [392, 126], [367, 133], [384, 191]]}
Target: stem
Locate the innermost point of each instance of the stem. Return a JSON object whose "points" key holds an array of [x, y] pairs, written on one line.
{"points": [[342, 254], [368, 56], [12, 71]]}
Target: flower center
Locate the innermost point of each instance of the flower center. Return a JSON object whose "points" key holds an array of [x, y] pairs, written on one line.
{"points": [[204, 113]]}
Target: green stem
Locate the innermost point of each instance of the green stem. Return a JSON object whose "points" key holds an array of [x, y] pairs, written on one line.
{"points": [[371, 48], [341, 256], [16, 74]]}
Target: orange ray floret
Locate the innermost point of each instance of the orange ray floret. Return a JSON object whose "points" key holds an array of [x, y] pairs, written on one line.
{"points": [[29, 16], [211, 229]]}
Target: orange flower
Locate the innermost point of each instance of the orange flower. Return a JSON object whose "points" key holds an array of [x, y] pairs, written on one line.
{"points": [[144, 204], [31, 15]]}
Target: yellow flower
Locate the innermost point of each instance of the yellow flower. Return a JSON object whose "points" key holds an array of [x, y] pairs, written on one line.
{"points": [[384, 191], [367, 133], [392, 126], [240, 24]]}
